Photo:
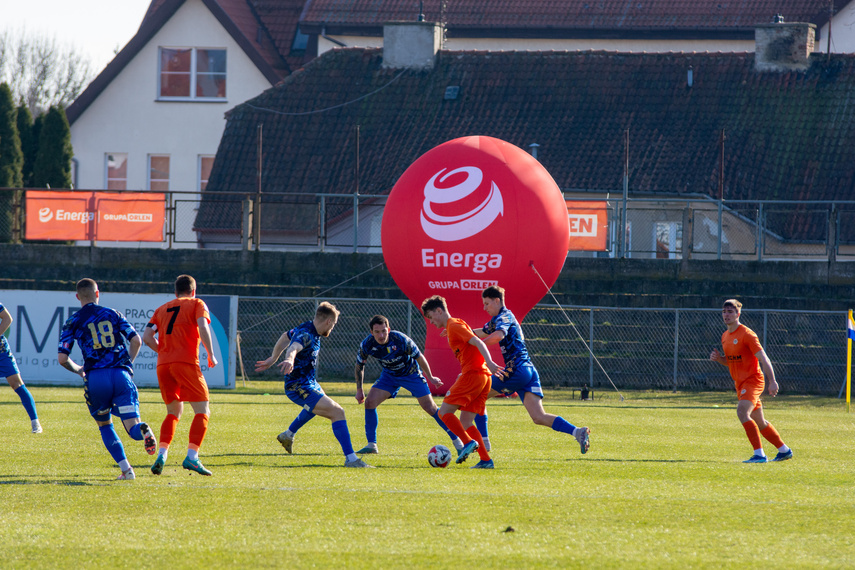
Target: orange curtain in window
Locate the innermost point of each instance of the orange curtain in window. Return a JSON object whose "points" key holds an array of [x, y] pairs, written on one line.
{"points": [[589, 224], [104, 216]]}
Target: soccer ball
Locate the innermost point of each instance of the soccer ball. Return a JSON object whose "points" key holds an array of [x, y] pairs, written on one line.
{"points": [[439, 456]]}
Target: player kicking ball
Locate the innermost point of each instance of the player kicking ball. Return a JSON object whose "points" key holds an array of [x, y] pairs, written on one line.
{"points": [[469, 393], [402, 366], [744, 357], [520, 376]]}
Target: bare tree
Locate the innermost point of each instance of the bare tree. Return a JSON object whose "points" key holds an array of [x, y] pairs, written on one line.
{"points": [[40, 72]]}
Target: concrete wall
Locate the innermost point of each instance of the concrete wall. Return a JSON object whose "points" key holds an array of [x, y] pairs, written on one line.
{"points": [[584, 281]]}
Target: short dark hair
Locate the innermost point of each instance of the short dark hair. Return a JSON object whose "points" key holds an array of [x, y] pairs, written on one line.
{"points": [[378, 320], [87, 287], [733, 303], [435, 302], [494, 292], [326, 311], [184, 285]]}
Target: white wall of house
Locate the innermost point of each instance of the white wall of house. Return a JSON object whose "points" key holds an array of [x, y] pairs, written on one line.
{"points": [[842, 32], [127, 117]]}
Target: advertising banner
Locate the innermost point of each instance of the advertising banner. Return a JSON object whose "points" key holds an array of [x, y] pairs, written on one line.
{"points": [[106, 216], [38, 317], [589, 225]]}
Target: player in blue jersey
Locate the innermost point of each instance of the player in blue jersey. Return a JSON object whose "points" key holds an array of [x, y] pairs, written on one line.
{"points": [[301, 346], [9, 370], [107, 371], [521, 375], [402, 366]]}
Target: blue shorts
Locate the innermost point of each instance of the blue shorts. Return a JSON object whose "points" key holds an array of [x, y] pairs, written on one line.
{"points": [[415, 383], [305, 394], [523, 379], [8, 364], [111, 390]]}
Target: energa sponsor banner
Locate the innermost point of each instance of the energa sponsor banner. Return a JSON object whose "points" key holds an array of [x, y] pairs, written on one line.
{"points": [[38, 317], [105, 216], [589, 224]]}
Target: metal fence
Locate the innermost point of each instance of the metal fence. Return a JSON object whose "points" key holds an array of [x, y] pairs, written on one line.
{"points": [[655, 228], [642, 349]]}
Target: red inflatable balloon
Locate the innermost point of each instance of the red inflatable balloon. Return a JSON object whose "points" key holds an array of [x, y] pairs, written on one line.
{"points": [[469, 213]]}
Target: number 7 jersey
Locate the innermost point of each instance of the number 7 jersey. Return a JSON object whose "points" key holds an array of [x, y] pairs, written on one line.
{"points": [[99, 331], [177, 328]]}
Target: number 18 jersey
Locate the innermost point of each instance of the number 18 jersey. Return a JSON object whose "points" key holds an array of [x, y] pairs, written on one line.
{"points": [[99, 331], [177, 328]]}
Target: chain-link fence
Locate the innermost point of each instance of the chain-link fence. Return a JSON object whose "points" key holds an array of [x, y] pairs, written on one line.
{"points": [[659, 349]]}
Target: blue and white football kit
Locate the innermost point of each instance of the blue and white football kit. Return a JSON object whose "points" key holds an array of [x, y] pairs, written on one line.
{"points": [[399, 365], [9, 367]]}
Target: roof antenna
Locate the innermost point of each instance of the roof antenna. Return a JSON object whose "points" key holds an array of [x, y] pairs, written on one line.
{"points": [[421, 10]]}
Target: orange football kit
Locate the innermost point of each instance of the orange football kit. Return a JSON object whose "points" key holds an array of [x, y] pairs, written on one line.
{"points": [[472, 387], [178, 371], [740, 348]]}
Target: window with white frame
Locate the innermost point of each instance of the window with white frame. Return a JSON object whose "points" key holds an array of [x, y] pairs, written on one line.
{"points": [[206, 163], [158, 172], [192, 74], [116, 170]]}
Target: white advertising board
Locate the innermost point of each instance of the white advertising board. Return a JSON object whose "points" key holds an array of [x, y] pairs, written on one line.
{"points": [[38, 317]]}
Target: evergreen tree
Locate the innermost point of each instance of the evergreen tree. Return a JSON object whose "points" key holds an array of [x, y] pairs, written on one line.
{"points": [[29, 143], [11, 160], [11, 157], [53, 159]]}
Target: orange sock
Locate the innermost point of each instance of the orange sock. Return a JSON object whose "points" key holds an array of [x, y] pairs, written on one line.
{"points": [[771, 435], [167, 430], [753, 433], [198, 429], [453, 423], [482, 449]]}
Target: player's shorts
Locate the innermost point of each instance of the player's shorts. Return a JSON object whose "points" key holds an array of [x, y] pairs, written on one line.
{"points": [[8, 364], [470, 392], [415, 383], [182, 382], [304, 394], [523, 379], [751, 390], [111, 390]]}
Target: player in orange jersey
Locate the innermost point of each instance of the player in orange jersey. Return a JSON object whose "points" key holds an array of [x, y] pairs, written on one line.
{"points": [[179, 325], [744, 357], [469, 393]]}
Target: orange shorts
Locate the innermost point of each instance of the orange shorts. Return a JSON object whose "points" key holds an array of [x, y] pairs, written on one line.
{"points": [[182, 382], [751, 390], [470, 392]]}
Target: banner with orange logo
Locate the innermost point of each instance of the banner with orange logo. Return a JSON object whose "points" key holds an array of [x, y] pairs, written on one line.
{"points": [[103, 216], [589, 224]]}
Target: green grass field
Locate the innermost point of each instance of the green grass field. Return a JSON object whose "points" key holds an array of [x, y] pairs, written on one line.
{"points": [[662, 486]]}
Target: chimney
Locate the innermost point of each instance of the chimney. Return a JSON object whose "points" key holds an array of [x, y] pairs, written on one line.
{"points": [[411, 44], [781, 46]]}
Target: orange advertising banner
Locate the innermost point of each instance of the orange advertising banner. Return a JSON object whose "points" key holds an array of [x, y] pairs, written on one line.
{"points": [[104, 216], [589, 224]]}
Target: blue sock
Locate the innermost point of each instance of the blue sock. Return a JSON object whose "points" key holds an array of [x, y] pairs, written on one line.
{"points": [[371, 421], [562, 425], [443, 426], [27, 400], [302, 419], [113, 443], [136, 432], [342, 434], [481, 424]]}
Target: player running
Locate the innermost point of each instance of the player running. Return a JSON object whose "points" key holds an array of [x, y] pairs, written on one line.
{"points": [[174, 333], [744, 357], [469, 392], [9, 370], [302, 345], [402, 365], [107, 371], [520, 374]]}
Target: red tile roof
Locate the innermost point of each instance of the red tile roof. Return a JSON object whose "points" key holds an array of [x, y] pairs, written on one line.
{"points": [[788, 135], [572, 14]]}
